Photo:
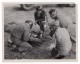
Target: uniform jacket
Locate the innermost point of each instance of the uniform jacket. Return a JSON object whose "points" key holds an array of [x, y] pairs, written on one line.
{"points": [[20, 32], [63, 41]]}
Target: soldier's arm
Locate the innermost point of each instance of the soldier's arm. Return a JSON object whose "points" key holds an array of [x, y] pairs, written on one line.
{"points": [[26, 34], [34, 39], [35, 16], [16, 34]]}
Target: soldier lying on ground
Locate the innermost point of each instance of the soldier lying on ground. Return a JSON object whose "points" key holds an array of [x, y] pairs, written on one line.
{"points": [[63, 42], [48, 40], [20, 37], [36, 35]]}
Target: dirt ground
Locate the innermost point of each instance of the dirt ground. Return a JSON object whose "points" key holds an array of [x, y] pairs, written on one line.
{"points": [[15, 14]]}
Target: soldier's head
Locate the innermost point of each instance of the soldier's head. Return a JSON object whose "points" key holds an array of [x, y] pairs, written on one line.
{"points": [[39, 8], [53, 13], [54, 25], [30, 23]]}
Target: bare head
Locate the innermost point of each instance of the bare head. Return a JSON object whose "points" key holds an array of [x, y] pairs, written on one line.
{"points": [[30, 23], [53, 13], [54, 25], [39, 8]]}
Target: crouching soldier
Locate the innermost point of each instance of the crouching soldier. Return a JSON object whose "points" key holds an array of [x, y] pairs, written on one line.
{"points": [[63, 42], [21, 36], [64, 21], [40, 17]]}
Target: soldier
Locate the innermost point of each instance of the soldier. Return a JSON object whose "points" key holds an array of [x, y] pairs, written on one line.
{"points": [[21, 35], [63, 42], [40, 17], [63, 20]]}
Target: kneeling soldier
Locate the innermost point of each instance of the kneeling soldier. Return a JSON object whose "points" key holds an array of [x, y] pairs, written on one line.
{"points": [[21, 36], [63, 42]]}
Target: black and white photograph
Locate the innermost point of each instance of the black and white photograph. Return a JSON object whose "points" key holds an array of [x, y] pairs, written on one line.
{"points": [[40, 31]]}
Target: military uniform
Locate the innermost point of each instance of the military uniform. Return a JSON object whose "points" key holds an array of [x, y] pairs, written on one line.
{"points": [[20, 35], [40, 18], [63, 42]]}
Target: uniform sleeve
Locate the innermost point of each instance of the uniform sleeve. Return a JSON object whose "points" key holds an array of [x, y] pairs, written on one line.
{"points": [[35, 16], [26, 34], [35, 39], [43, 15], [16, 34]]}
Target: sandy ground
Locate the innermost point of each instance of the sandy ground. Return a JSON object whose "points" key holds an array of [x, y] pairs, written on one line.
{"points": [[15, 14]]}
